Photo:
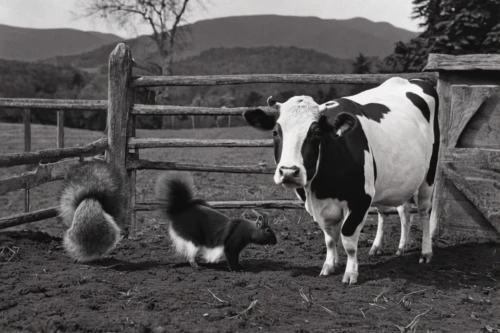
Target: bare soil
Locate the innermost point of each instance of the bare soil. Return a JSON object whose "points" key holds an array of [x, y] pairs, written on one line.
{"points": [[143, 287]]}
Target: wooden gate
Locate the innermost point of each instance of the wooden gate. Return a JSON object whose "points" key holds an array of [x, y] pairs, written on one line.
{"points": [[469, 199]]}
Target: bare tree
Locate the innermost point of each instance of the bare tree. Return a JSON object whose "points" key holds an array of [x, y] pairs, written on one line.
{"points": [[162, 16]]}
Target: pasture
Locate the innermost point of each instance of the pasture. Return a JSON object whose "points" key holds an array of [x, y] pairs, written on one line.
{"points": [[143, 287]]}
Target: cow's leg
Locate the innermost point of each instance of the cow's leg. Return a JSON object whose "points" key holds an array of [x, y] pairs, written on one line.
{"points": [[332, 234], [404, 215], [424, 204], [351, 228], [376, 249]]}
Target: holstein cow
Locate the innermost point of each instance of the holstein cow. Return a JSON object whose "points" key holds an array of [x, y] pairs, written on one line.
{"points": [[376, 148]]}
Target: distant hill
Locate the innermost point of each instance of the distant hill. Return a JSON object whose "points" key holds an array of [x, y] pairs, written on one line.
{"points": [[337, 38], [26, 44]]}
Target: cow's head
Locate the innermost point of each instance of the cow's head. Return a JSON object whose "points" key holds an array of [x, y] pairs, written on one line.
{"points": [[297, 133]]}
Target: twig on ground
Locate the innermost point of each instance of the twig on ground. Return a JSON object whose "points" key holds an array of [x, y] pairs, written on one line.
{"points": [[412, 325], [380, 306], [12, 250], [217, 298], [362, 313], [250, 307], [412, 293], [326, 309], [375, 300]]}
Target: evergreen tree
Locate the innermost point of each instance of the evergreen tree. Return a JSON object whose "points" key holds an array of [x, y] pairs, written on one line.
{"points": [[450, 27]]}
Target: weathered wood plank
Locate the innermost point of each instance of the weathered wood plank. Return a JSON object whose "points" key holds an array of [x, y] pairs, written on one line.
{"points": [[475, 117], [264, 204], [169, 110], [469, 62], [27, 147], [60, 129], [142, 164], [39, 215], [209, 80], [54, 104], [228, 143], [44, 173], [482, 158], [490, 212], [52, 155], [120, 72]]}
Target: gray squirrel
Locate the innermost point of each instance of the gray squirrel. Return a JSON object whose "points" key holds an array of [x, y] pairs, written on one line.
{"points": [[93, 205], [196, 227]]}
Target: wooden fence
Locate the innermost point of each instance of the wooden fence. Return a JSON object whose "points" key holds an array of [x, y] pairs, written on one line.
{"points": [[122, 147]]}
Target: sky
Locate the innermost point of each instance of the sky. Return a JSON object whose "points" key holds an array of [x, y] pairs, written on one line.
{"points": [[61, 13]]}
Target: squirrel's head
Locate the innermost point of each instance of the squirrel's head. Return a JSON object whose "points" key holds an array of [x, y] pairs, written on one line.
{"points": [[263, 234]]}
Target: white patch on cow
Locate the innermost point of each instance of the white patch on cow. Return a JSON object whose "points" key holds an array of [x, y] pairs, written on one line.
{"points": [[296, 116], [212, 254], [369, 174], [401, 142], [183, 247]]}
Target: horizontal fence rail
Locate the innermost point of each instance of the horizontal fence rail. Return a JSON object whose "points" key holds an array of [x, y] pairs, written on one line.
{"points": [[173, 110], [269, 204], [142, 164], [54, 104], [38, 215], [211, 80], [52, 155], [44, 173], [223, 143]]}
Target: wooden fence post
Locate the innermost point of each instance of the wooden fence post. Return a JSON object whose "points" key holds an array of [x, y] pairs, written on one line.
{"points": [[27, 147], [60, 129], [120, 73]]}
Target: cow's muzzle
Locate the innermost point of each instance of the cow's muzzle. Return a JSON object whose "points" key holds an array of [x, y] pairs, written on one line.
{"points": [[290, 176]]}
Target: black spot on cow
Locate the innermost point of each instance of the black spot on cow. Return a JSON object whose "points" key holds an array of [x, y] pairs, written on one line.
{"points": [[428, 89], [374, 169], [351, 252], [310, 149], [278, 142], [301, 193], [340, 174], [372, 111], [421, 104]]}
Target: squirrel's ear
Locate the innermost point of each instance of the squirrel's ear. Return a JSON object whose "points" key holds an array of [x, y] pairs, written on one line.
{"points": [[260, 221], [266, 217]]}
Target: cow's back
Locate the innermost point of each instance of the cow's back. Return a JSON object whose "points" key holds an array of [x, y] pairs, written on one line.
{"points": [[397, 121]]}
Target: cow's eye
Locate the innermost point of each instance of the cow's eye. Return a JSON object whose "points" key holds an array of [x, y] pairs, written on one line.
{"points": [[275, 133]]}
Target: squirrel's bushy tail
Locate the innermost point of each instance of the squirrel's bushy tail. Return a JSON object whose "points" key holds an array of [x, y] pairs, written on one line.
{"points": [[94, 207], [175, 192]]}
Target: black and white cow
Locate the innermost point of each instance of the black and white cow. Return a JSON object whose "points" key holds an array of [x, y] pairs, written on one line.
{"points": [[376, 148]]}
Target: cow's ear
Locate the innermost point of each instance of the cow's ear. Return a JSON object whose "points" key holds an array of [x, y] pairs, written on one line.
{"points": [[328, 105], [344, 123], [259, 119]]}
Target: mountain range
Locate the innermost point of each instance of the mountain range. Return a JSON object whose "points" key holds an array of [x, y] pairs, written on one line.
{"points": [[26, 44], [337, 38]]}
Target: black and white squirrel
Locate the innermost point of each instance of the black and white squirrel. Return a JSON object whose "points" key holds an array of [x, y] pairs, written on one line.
{"points": [[196, 227], [94, 206]]}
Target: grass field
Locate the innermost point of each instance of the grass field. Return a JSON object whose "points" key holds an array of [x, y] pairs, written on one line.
{"points": [[144, 287]]}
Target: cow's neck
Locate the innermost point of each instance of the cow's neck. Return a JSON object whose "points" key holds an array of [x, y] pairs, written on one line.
{"points": [[339, 169]]}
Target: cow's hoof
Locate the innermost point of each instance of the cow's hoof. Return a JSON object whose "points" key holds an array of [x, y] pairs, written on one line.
{"points": [[327, 270], [425, 258], [350, 277], [375, 251], [400, 251]]}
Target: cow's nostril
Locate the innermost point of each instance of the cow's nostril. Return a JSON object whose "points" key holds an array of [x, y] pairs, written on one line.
{"points": [[295, 171]]}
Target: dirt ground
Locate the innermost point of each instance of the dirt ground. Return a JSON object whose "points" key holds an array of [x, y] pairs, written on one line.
{"points": [[143, 287]]}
